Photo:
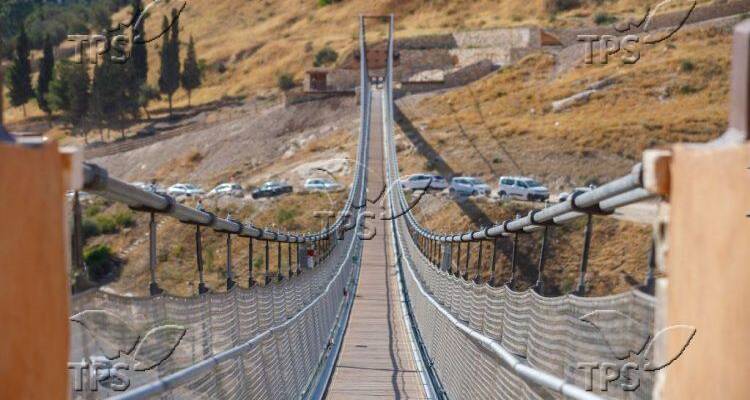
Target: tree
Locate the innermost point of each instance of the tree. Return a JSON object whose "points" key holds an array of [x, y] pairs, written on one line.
{"points": [[115, 94], [326, 55], [69, 93], [139, 52], [169, 77], [285, 81], [19, 75], [46, 72], [191, 72]]}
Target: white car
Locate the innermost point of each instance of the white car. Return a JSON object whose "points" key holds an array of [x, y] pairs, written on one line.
{"points": [[226, 189], [322, 185], [469, 186], [564, 195], [149, 187], [522, 188], [424, 181], [184, 189]]}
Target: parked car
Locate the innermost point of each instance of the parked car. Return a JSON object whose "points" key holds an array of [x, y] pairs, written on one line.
{"points": [[184, 189], [469, 186], [226, 189], [149, 187], [271, 189], [522, 187], [322, 185], [424, 181], [563, 196]]}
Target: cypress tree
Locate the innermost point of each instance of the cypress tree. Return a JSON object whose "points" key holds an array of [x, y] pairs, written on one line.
{"points": [[169, 79], [80, 94], [46, 72], [107, 93], [115, 93], [19, 75], [191, 73], [69, 92], [139, 53]]}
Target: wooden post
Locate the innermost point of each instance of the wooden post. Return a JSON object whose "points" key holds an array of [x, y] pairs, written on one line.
{"points": [[707, 256], [34, 288]]}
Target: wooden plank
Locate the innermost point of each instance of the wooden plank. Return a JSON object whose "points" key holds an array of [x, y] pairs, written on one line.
{"points": [[34, 291], [707, 273], [376, 359]]}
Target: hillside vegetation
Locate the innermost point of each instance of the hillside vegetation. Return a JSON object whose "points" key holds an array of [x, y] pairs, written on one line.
{"points": [[677, 92], [247, 45], [504, 125]]}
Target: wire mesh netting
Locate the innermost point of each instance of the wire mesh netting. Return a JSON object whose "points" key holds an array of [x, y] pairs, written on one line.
{"points": [[300, 312], [546, 333]]}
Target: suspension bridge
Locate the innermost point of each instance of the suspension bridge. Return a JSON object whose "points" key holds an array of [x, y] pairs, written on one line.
{"points": [[376, 305]]}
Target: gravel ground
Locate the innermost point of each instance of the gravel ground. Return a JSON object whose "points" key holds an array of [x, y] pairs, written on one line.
{"points": [[252, 139]]}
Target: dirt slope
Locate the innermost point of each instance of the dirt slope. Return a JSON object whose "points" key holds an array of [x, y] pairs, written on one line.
{"points": [[504, 125]]}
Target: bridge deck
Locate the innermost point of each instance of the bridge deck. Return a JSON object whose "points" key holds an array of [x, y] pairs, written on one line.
{"points": [[377, 357]]}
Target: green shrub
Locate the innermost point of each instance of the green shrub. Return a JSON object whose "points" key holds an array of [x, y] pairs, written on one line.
{"points": [[325, 56], [555, 6], [105, 224], [89, 228], [686, 66], [92, 210], [124, 219], [100, 261], [688, 89], [285, 215], [603, 18], [285, 81]]}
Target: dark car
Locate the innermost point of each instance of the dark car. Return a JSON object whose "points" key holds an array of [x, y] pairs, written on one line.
{"points": [[271, 189]]}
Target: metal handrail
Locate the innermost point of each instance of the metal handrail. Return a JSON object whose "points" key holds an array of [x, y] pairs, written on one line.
{"points": [[98, 181], [617, 192], [602, 200]]}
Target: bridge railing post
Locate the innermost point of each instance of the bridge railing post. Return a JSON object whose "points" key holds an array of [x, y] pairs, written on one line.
{"points": [[267, 259], [493, 263], [702, 252], [479, 263], [230, 276], [199, 260], [300, 257], [279, 274], [539, 285], [513, 262], [457, 272], [153, 287], [581, 289], [250, 262], [465, 275]]}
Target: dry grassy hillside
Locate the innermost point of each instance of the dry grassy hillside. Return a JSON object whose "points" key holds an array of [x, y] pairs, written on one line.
{"points": [[255, 41], [177, 271], [504, 124], [247, 44]]}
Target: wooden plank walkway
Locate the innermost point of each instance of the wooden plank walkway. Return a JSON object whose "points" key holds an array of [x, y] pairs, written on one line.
{"points": [[377, 358]]}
